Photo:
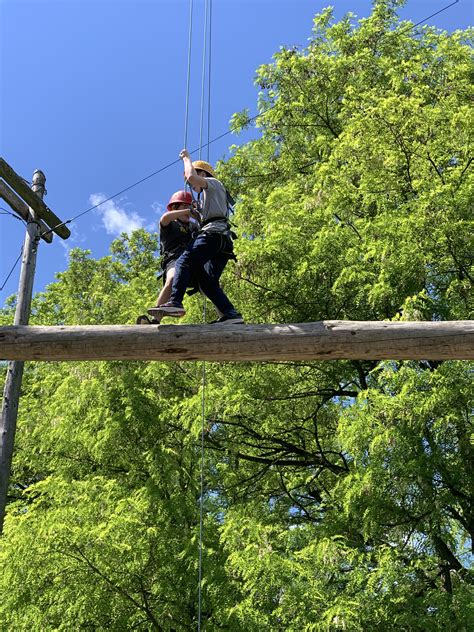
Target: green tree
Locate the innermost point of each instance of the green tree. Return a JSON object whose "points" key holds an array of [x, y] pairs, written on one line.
{"points": [[338, 495]]}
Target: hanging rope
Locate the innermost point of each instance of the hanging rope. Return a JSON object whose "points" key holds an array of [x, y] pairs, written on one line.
{"points": [[207, 28], [201, 491], [188, 77], [203, 76], [209, 84]]}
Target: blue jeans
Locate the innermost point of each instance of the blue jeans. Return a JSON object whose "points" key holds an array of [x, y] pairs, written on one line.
{"points": [[205, 257]]}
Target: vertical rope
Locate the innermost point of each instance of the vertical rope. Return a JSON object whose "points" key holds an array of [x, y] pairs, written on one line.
{"points": [[188, 78], [203, 398], [201, 499], [203, 82], [209, 84]]}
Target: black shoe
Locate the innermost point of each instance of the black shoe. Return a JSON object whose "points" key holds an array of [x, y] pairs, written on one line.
{"points": [[168, 309], [144, 320], [235, 319]]}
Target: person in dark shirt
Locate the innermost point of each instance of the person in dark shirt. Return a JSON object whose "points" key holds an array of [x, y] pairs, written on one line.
{"points": [[176, 232]]}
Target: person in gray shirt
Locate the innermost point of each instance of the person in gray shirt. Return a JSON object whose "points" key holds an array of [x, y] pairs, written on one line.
{"points": [[208, 254]]}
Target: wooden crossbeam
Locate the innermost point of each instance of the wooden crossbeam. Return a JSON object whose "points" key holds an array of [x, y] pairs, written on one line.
{"points": [[17, 204], [325, 340], [33, 200]]}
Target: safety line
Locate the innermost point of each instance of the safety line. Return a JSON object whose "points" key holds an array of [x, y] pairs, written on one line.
{"points": [[188, 77], [209, 75], [203, 392], [201, 491], [203, 75]]}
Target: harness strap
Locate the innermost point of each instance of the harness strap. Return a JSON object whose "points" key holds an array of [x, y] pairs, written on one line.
{"points": [[214, 219]]}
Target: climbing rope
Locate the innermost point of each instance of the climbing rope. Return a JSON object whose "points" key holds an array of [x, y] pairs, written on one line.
{"points": [[209, 84], [207, 29], [188, 74], [203, 75], [201, 490]]}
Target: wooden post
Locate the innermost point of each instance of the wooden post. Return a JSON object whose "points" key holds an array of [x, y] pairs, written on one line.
{"points": [[34, 201], [11, 393], [326, 340]]}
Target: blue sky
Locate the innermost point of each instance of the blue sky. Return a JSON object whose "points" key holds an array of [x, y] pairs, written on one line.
{"points": [[93, 93]]}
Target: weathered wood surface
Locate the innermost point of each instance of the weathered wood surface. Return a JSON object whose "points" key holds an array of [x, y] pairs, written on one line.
{"points": [[14, 375], [33, 200], [325, 340], [17, 204]]}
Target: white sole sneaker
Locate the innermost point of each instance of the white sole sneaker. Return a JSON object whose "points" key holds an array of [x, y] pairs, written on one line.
{"points": [[167, 311], [155, 312]]}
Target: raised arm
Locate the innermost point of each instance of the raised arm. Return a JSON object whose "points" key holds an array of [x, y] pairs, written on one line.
{"points": [[190, 172]]}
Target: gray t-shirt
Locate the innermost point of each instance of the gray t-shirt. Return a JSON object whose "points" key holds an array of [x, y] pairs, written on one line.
{"points": [[214, 205]]}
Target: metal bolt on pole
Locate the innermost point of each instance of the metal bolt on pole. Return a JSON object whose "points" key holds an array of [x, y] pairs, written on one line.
{"points": [[11, 393]]}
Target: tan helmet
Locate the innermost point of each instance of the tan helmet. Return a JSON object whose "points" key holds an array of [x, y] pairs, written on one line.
{"points": [[205, 166]]}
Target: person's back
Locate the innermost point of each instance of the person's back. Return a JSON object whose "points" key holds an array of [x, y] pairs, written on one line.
{"points": [[213, 208]]}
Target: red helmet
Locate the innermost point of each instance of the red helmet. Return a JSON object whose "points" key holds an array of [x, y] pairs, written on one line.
{"points": [[180, 197]]}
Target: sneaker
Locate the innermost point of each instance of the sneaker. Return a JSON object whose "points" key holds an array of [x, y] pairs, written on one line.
{"points": [[234, 319], [169, 309], [144, 320], [155, 313]]}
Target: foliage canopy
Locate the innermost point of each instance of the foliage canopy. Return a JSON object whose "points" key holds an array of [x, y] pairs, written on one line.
{"points": [[338, 496]]}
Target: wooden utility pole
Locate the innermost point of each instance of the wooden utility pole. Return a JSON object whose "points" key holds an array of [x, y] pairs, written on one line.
{"points": [[33, 212], [23, 210], [35, 202], [325, 340], [11, 393]]}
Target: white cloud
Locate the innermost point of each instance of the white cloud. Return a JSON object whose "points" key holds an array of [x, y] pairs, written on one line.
{"points": [[115, 219]]}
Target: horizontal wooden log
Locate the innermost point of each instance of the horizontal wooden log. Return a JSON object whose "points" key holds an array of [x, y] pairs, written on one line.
{"points": [[325, 340], [33, 200], [17, 204]]}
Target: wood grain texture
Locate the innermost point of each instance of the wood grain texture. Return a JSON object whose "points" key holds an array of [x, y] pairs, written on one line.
{"points": [[325, 340], [17, 204], [33, 200]]}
